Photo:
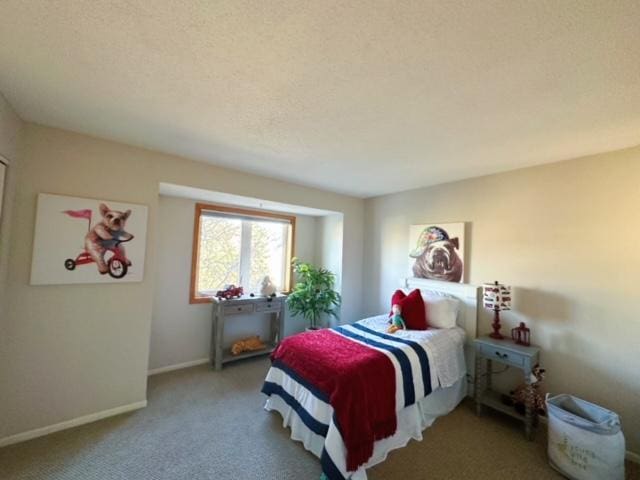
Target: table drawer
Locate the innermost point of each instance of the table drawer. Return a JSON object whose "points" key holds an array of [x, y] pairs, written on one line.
{"points": [[504, 356], [237, 309], [273, 306]]}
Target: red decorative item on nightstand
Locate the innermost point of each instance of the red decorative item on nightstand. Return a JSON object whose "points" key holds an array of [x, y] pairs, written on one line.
{"points": [[521, 335]]}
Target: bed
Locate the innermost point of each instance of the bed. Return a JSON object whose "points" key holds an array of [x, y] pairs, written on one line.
{"points": [[430, 374]]}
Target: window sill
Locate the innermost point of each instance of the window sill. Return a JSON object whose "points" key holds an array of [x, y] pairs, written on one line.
{"points": [[194, 300], [208, 299]]}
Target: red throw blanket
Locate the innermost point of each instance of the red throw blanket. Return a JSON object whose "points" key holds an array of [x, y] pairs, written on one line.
{"points": [[358, 380]]}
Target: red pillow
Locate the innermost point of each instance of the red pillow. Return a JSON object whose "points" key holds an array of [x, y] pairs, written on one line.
{"points": [[413, 311]]}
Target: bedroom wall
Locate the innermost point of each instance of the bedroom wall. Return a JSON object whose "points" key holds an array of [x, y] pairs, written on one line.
{"points": [[330, 256], [181, 332], [77, 350], [10, 130], [566, 237]]}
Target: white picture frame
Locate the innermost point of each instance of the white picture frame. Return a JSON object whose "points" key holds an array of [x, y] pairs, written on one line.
{"points": [[437, 251], [80, 240]]}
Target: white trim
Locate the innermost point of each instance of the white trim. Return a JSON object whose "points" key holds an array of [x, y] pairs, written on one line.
{"points": [[633, 457], [74, 422], [245, 253], [177, 366]]}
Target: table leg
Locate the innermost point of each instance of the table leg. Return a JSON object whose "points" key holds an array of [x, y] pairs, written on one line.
{"points": [[528, 407], [275, 327], [214, 336], [478, 385], [219, 335]]}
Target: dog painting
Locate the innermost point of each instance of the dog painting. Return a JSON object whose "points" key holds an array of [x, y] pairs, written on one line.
{"points": [[108, 234], [436, 251], [80, 240]]}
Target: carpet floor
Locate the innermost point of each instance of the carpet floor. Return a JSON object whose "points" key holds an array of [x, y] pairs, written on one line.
{"points": [[201, 424]]}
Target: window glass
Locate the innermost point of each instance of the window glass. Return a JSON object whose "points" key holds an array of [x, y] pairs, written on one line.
{"points": [[268, 253], [239, 250], [220, 246]]}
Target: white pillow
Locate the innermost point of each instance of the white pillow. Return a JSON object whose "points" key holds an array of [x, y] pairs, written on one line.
{"points": [[441, 311]]}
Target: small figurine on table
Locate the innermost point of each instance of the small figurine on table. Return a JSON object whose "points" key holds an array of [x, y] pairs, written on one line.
{"points": [[267, 288], [397, 322]]}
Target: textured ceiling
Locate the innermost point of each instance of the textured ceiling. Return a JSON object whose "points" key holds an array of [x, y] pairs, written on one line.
{"points": [[363, 97]]}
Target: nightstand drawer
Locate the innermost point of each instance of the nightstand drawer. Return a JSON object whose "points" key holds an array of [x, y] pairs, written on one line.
{"points": [[236, 309], [272, 306], [502, 355]]}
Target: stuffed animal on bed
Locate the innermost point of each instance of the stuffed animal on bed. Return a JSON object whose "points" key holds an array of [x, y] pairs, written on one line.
{"points": [[397, 322], [247, 345]]}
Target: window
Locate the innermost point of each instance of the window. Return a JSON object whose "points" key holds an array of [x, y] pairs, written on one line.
{"points": [[237, 246]]}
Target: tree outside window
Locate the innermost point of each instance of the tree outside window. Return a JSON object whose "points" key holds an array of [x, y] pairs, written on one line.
{"points": [[239, 247]]}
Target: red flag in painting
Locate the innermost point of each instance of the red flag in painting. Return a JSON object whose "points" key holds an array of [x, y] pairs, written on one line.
{"points": [[86, 213]]}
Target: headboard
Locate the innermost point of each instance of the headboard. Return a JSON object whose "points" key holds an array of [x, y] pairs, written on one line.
{"points": [[468, 315], [467, 294]]}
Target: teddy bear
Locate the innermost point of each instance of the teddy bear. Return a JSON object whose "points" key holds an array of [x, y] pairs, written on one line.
{"points": [[106, 234], [397, 322]]}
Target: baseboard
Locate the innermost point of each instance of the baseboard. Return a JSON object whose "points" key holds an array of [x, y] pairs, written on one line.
{"points": [[633, 457], [178, 366], [74, 422]]}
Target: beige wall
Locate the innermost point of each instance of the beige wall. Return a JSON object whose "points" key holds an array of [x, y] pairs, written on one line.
{"points": [[566, 237], [181, 332], [10, 130], [329, 255], [75, 350]]}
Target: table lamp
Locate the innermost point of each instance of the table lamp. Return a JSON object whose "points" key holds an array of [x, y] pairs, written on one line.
{"points": [[496, 297]]}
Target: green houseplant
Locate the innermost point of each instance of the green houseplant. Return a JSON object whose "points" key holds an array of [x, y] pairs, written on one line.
{"points": [[313, 294]]}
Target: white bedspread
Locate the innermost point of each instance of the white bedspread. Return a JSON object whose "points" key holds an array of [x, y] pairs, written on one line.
{"points": [[444, 347], [311, 419]]}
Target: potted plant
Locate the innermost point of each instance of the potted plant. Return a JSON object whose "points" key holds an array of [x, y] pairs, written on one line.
{"points": [[313, 294]]}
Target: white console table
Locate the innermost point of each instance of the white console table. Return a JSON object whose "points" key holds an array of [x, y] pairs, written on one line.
{"points": [[224, 310]]}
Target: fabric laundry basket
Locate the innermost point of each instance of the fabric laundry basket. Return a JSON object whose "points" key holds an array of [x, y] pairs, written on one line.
{"points": [[585, 440]]}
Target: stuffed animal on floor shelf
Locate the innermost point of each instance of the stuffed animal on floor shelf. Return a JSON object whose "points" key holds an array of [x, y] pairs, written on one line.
{"points": [[397, 322], [533, 392], [247, 345]]}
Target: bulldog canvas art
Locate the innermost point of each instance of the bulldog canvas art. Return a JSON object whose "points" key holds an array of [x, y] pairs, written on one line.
{"points": [[436, 251], [84, 240]]}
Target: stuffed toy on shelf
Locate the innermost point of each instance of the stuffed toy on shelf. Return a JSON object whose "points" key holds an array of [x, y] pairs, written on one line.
{"points": [[247, 345], [518, 397]]}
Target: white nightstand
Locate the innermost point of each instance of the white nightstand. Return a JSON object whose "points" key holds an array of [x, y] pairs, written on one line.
{"points": [[508, 353]]}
